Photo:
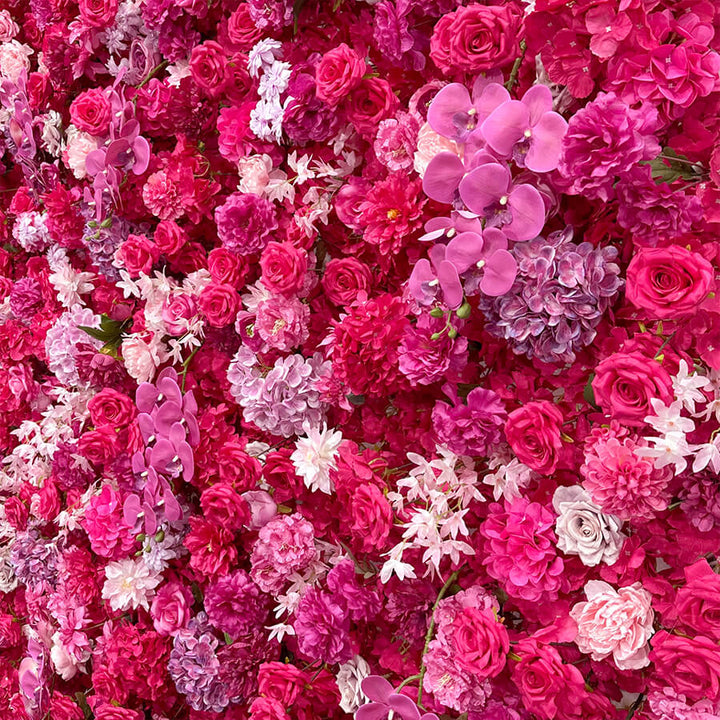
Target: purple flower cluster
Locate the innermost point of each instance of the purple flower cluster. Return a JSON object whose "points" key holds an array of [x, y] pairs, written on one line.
{"points": [[244, 222], [559, 296]]}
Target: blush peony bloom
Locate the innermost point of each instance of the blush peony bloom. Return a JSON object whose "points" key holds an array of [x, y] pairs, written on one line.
{"points": [[129, 584], [615, 622]]}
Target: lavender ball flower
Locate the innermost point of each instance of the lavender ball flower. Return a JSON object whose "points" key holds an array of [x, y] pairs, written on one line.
{"points": [[557, 300]]}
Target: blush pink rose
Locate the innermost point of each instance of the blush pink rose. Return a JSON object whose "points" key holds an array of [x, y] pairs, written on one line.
{"points": [[615, 622], [533, 432], [668, 282], [339, 72], [170, 609], [690, 666], [178, 312], [481, 642], [625, 383]]}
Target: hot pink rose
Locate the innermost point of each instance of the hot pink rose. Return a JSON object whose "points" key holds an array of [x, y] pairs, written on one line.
{"points": [[106, 711], [476, 38], [98, 13], [170, 608], [615, 622], [481, 642], [222, 505], [283, 267], [668, 282], [209, 66], [137, 254], [372, 518], [625, 383], [241, 31], [533, 432], [690, 666], [344, 279], [99, 446], [542, 678], [280, 681], [170, 237], [226, 267], [220, 304], [372, 101], [339, 72], [264, 708], [112, 408], [91, 112], [697, 603]]}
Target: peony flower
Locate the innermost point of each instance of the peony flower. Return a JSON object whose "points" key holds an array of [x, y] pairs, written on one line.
{"points": [[314, 457], [129, 584], [615, 622]]}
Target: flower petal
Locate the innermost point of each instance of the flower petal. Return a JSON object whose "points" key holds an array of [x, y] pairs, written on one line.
{"points": [[484, 186], [546, 143], [538, 100], [528, 213], [450, 284], [442, 177], [506, 126], [464, 250], [448, 112], [500, 273]]}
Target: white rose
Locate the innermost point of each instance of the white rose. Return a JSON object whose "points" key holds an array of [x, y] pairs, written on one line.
{"points": [[349, 677]]}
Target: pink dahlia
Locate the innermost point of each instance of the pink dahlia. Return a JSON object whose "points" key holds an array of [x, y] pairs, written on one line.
{"points": [[520, 549], [244, 222], [620, 481]]}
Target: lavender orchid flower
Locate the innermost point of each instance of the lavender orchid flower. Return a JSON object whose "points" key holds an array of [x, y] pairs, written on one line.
{"points": [[158, 499], [456, 114], [488, 191], [384, 700], [486, 257], [435, 279], [527, 130], [445, 172]]}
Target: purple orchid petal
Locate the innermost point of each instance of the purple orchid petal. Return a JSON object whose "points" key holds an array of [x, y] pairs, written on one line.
{"points": [[442, 177], [404, 707], [506, 126], [499, 274], [528, 213], [189, 403], [436, 254], [494, 239], [173, 511], [141, 149], [448, 112], [419, 284], [169, 389], [465, 250], [146, 426], [377, 688], [492, 77], [146, 396], [450, 284], [491, 97], [538, 100], [131, 509], [150, 520], [484, 186], [139, 462], [546, 143], [193, 430], [177, 434], [185, 453], [372, 711], [161, 455], [167, 415], [95, 162]]}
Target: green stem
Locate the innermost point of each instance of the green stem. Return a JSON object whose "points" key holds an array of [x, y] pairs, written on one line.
{"points": [[516, 67], [407, 681], [186, 365], [431, 632], [158, 68]]}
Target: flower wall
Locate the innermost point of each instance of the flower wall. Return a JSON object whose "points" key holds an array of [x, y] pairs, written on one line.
{"points": [[359, 358]]}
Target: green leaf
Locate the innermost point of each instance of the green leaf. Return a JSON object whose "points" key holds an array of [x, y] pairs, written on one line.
{"points": [[669, 167], [109, 332], [588, 393], [356, 399]]}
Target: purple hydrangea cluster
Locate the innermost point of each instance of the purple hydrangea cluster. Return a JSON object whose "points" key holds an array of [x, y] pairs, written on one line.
{"points": [[102, 242], [244, 222], [280, 401], [195, 668], [271, 14], [34, 560], [63, 338], [557, 300]]}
